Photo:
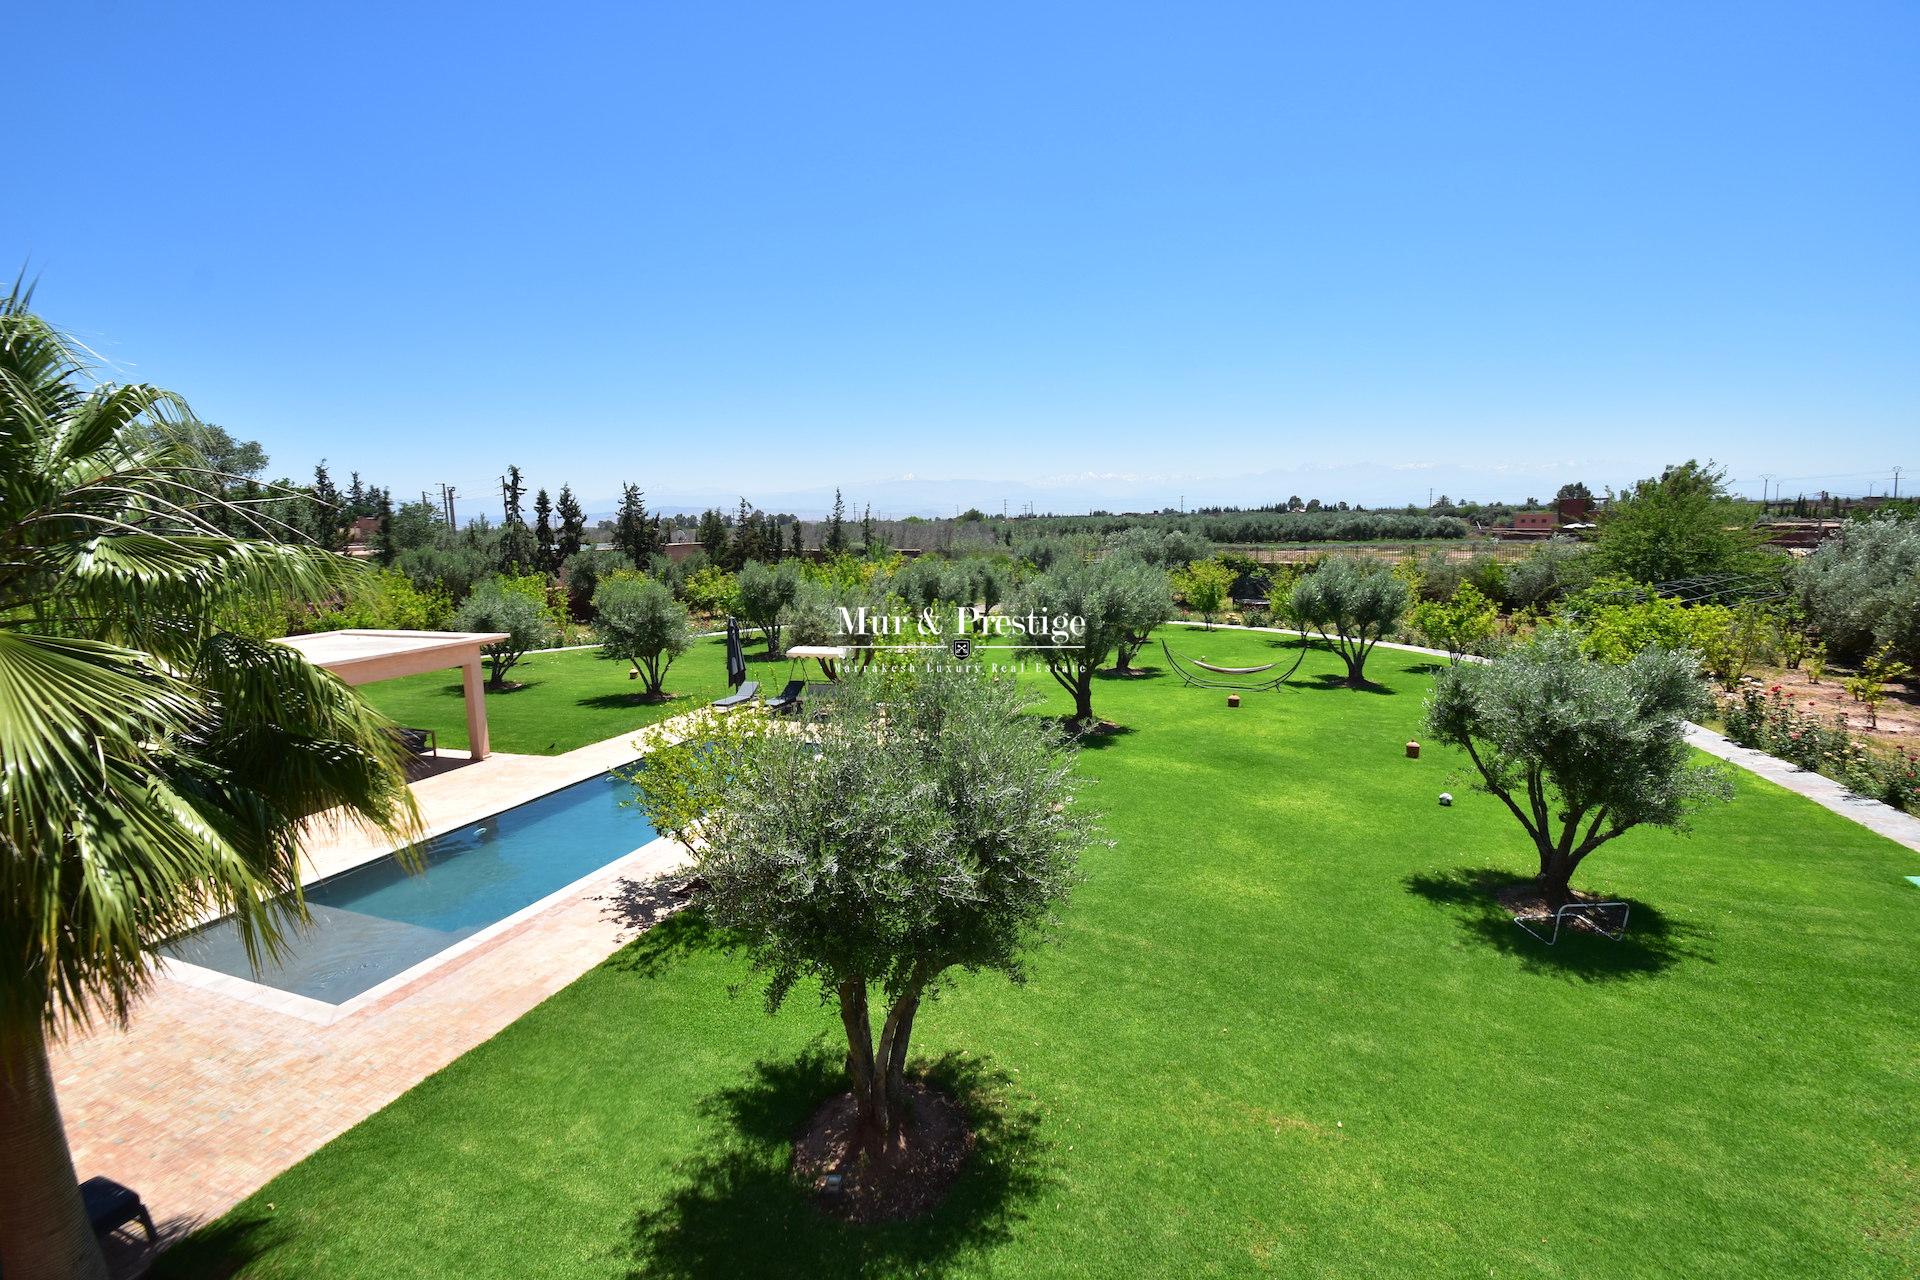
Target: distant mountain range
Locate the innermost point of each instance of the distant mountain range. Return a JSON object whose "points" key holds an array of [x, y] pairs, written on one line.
{"points": [[1366, 484]]}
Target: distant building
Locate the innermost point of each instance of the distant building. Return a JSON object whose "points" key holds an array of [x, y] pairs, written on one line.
{"points": [[360, 536], [1574, 510], [1569, 515]]}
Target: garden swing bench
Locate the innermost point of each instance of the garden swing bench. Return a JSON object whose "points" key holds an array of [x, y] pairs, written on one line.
{"points": [[1207, 677]]}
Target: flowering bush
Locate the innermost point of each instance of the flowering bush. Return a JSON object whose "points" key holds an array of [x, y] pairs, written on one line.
{"points": [[1767, 721]]}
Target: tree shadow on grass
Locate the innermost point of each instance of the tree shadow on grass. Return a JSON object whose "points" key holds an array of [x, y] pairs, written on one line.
{"points": [[512, 687], [616, 701], [1098, 738], [1131, 674], [217, 1250], [457, 690], [669, 934], [1654, 942], [739, 1211], [1330, 681]]}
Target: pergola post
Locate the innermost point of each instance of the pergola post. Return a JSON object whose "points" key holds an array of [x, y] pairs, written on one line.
{"points": [[475, 692], [363, 656]]}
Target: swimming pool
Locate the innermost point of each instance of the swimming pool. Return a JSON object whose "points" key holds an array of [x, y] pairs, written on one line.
{"points": [[379, 919]]}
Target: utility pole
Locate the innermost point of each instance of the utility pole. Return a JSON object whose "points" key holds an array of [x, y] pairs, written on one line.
{"points": [[1765, 477], [1896, 482], [447, 493]]}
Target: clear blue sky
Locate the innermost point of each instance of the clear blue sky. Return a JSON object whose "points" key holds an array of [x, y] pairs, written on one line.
{"points": [[766, 247]]}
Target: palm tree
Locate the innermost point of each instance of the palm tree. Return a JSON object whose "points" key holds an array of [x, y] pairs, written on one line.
{"points": [[155, 768]]}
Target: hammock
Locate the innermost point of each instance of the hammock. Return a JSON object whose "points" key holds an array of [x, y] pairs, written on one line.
{"points": [[1200, 681], [1235, 671]]}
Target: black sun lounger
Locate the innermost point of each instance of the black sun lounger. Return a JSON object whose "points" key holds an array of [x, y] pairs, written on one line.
{"points": [[789, 699], [746, 693]]}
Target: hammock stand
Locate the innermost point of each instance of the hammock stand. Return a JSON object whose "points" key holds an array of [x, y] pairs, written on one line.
{"points": [[1205, 677]]}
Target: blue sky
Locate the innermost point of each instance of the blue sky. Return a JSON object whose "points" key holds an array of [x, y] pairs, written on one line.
{"points": [[1220, 250]]}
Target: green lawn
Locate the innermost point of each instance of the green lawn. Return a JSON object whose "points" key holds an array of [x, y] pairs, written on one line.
{"points": [[1283, 1033], [566, 699]]}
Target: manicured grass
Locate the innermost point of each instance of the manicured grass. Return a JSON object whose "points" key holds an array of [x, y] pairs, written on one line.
{"points": [[1283, 1033], [566, 699]]}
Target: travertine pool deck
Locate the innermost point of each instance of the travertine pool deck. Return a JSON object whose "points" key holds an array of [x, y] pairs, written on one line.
{"points": [[206, 1095]]}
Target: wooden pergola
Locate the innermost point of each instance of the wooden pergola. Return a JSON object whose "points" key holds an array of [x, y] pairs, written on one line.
{"points": [[362, 657]]}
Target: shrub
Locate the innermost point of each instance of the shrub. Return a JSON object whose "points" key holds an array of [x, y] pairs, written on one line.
{"points": [[387, 600], [1870, 686], [1768, 722], [1731, 640], [494, 606], [1548, 574], [1681, 524], [1619, 620], [1461, 625], [1439, 575], [1204, 586], [454, 564], [1861, 589], [814, 618], [583, 571], [709, 590], [640, 621]]}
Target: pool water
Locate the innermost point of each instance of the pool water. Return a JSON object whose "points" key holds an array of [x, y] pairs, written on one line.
{"points": [[378, 920]]}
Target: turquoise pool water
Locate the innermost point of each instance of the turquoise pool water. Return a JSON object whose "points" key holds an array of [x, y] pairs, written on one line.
{"points": [[377, 920]]}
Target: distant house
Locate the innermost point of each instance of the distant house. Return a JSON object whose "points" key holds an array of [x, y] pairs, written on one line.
{"points": [[1574, 510], [1569, 515], [360, 536]]}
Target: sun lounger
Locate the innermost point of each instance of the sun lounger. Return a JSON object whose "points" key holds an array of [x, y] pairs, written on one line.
{"points": [[111, 1206], [789, 699], [746, 693], [416, 742]]}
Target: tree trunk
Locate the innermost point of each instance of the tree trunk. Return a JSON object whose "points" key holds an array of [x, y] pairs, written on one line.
{"points": [[867, 1076], [1356, 672], [899, 1033], [1083, 695], [1555, 878], [44, 1232]]}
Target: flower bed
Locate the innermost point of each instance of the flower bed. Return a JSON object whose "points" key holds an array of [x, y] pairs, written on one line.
{"points": [[1766, 720]]}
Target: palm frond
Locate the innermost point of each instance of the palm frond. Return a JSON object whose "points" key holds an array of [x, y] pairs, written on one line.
{"points": [[153, 769]]}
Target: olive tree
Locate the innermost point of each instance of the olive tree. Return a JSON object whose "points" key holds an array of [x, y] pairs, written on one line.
{"points": [[1079, 614], [1149, 604], [1861, 588], [640, 621], [879, 853], [1578, 751], [766, 594], [492, 607], [1352, 604]]}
